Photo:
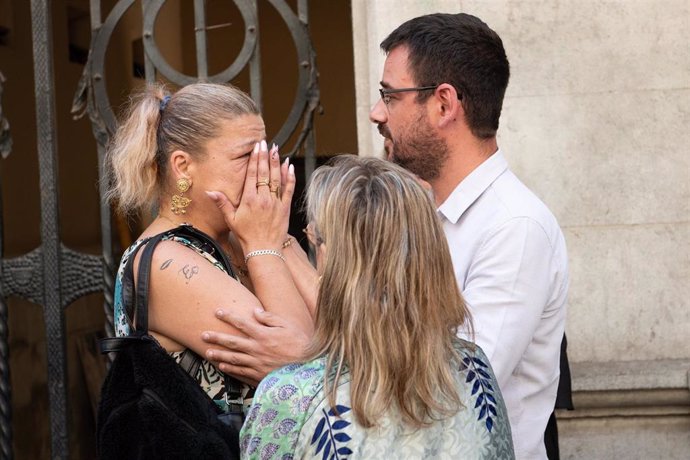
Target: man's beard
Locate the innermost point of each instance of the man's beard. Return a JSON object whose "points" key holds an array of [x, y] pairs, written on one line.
{"points": [[420, 150]]}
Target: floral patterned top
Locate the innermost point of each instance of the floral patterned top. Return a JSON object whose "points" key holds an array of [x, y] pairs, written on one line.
{"points": [[290, 418], [211, 380]]}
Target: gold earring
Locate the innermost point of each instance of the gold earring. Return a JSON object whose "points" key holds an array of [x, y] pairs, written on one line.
{"points": [[180, 202]]}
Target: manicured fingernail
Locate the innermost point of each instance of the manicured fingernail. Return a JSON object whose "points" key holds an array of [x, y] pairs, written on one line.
{"points": [[286, 161], [259, 310], [291, 170], [263, 145], [256, 147], [209, 354], [205, 336], [212, 195], [220, 313]]}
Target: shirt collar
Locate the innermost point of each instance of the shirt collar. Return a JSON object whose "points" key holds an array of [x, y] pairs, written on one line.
{"points": [[472, 186]]}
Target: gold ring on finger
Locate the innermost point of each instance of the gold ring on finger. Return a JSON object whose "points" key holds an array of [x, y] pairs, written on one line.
{"points": [[261, 182]]}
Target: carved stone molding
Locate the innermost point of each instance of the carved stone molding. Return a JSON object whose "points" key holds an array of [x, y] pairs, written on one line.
{"points": [[630, 389]]}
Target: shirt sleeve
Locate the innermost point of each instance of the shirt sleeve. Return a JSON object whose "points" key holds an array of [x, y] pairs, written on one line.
{"points": [[506, 289]]}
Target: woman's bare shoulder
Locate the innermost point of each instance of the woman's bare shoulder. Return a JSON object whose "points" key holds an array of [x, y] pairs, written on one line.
{"points": [[186, 288]]}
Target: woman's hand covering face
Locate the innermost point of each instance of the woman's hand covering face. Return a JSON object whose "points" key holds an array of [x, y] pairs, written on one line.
{"points": [[260, 221]]}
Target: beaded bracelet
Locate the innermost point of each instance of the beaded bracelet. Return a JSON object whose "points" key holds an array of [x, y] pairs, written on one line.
{"points": [[263, 252]]}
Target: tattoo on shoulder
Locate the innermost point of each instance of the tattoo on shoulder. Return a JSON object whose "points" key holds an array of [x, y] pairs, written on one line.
{"points": [[189, 271], [166, 264]]}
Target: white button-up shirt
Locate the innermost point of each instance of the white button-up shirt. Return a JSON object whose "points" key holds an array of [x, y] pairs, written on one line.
{"points": [[510, 261]]}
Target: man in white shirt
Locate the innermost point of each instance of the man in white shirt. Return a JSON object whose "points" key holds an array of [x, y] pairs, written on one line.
{"points": [[442, 91]]}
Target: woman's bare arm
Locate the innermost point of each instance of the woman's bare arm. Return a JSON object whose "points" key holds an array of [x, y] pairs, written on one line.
{"points": [[303, 273], [185, 291]]}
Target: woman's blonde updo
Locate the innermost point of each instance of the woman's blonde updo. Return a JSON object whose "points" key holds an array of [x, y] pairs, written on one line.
{"points": [[157, 124]]}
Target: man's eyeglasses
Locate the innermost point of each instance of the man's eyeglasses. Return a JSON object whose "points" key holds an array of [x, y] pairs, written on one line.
{"points": [[386, 92]]}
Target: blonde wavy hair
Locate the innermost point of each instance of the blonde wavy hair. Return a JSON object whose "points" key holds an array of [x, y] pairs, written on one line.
{"points": [[389, 306], [156, 124]]}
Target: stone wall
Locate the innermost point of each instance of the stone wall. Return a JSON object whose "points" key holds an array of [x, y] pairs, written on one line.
{"points": [[596, 121]]}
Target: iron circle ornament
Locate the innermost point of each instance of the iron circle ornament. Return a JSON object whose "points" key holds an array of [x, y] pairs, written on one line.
{"points": [[97, 70], [151, 12], [307, 86]]}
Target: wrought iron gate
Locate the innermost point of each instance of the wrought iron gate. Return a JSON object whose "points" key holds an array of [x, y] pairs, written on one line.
{"points": [[52, 275]]}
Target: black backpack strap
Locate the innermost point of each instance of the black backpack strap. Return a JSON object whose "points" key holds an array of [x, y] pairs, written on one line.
{"points": [[143, 281], [233, 395], [190, 362], [128, 282], [113, 344]]}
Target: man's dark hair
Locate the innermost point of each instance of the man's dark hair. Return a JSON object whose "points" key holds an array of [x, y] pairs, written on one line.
{"points": [[463, 51]]}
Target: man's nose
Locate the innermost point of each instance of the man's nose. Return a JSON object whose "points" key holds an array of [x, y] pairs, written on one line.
{"points": [[378, 113]]}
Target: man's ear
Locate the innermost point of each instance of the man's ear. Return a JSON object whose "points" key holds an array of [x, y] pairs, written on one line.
{"points": [[450, 107], [180, 164]]}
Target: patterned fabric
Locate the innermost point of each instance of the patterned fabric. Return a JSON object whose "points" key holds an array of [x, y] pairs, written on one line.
{"points": [[211, 380], [291, 418]]}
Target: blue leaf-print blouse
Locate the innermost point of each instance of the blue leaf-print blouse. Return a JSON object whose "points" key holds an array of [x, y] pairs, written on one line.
{"points": [[290, 418]]}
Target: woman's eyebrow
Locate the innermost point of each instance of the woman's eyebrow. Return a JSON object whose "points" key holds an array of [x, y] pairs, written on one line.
{"points": [[242, 145]]}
